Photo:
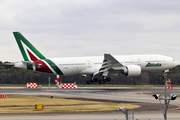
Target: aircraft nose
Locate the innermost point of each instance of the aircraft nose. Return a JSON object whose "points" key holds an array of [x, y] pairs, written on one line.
{"points": [[178, 63], [175, 63]]}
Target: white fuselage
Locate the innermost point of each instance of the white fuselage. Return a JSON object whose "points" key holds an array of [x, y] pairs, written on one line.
{"points": [[89, 65]]}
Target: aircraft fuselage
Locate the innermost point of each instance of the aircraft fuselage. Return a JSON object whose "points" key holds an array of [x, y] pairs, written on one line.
{"points": [[89, 65]]}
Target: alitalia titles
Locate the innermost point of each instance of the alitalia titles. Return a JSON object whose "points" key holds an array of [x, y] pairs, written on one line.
{"points": [[153, 65]]}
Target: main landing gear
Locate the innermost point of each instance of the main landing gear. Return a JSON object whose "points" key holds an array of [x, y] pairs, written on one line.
{"points": [[101, 81]]}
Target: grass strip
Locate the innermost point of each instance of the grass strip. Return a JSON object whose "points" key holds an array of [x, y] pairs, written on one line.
{"points": [[25, 104]]}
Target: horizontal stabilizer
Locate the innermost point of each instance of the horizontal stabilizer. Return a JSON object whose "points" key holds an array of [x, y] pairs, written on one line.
{"points": [[8, 64], [30, 63]]}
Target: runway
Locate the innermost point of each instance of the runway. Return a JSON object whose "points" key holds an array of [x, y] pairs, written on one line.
{"points": [[143, 97], [92, 116]]}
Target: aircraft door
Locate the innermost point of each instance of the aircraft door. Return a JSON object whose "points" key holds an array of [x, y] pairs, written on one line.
{"points": [[164, 61], [89, 63], [139, 62]]}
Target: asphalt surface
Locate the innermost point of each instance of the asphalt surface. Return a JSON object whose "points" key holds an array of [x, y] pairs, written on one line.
{"points": [[150, 108]]}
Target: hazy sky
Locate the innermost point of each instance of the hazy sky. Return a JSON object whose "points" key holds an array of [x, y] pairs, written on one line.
{"points": [[69, 28]]}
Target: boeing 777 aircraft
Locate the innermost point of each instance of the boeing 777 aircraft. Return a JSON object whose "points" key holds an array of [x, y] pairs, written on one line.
{"points": [[106, 66]]}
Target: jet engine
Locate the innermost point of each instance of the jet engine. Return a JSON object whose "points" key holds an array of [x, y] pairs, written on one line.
{"points": [[132, 70]]}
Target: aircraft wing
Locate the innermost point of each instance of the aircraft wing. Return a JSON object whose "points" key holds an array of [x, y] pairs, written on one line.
{"points": [[110, 65]]}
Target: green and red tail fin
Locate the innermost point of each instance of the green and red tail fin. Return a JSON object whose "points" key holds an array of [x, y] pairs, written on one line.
{"points": [[29, 52]]}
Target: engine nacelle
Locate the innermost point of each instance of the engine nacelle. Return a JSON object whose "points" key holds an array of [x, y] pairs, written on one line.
{"points": [[132, 70]]}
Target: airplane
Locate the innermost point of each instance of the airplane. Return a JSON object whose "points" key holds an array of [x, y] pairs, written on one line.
{"points": [[107, 66]]}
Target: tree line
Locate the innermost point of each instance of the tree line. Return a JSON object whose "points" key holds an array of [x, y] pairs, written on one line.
{"points": [[11, 75]]}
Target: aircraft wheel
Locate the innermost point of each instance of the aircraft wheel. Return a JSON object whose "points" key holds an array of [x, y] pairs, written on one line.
{"points": [[92, 81], [104, 80], [89, 82], [108, 79], [96, 79], [101, 82]]}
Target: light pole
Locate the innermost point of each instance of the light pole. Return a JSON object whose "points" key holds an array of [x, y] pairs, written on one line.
{"points": [[166, 101], [49, 79], [125, 111]]}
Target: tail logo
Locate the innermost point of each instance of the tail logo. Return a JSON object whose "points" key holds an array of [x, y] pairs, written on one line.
{"points": [[30, 53]]}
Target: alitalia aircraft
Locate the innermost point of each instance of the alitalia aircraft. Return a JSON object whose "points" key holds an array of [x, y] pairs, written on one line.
{"points": [[106, 66]]}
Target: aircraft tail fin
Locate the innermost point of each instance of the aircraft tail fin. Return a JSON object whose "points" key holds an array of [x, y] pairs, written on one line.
{"points": [[28, 51]]}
